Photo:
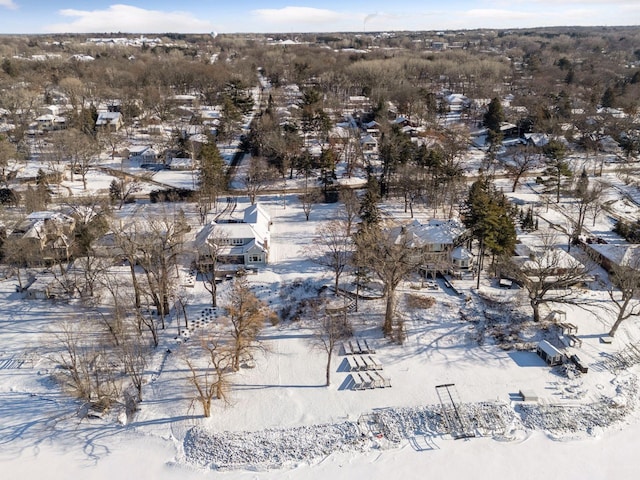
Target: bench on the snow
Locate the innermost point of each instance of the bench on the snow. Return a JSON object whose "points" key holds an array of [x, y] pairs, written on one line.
{"points": [[375, 365], [382, 382], [528, 396]]}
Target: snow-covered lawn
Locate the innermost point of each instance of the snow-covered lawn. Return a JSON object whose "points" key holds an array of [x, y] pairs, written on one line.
{"points": [[282, 416]]}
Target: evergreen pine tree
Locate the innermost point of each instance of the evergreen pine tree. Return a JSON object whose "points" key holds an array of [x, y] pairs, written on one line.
{"points": [[494, 116], [557, 169], [608, 98], [369, 210], [115, 191]]}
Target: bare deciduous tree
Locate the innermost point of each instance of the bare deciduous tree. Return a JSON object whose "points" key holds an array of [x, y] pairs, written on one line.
{"points": [[246, 315], [330, 328], [211, 382], [8, 151], [87, 367], [125, 239], [547, 275], [181, 301], [332, 248], [308, 199], [350, 207], [134, 352], [19, 254], [158, 251], [80, 149], [585, 196], [389, 254], [208, 261], [258, 177], [625, 280], [523, 161]]}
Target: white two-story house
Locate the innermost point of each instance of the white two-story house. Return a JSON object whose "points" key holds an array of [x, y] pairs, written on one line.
{"points": [[235, 242]]}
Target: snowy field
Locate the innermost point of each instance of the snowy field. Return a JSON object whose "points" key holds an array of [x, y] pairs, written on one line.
{"points": [[282, 422]]}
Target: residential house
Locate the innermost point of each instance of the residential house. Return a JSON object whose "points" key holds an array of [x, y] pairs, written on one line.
{"points": [[239, 243], [439, 46], [441, 242], [369, 144], [143, 154], [610, 256], [372, 128], [549, 264], [47, 233], [211, 117], [509, 130], [457, 102], [50, 110], [179, 163], [111, 121], [358, 103], [536, 139], [184, 100], [403, 121], [49, 122]]}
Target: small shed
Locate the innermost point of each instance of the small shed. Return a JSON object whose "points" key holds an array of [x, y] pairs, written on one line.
{"points": [[550, 354]]}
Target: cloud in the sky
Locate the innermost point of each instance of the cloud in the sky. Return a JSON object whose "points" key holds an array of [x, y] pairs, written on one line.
{"points": [[389, 16], [297, 15], [397, 20], [8, 4], [126, 18], [603, 3]]}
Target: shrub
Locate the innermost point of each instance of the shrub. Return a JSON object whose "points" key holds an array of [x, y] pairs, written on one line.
{"points": [[420, 301], [172, 195]]}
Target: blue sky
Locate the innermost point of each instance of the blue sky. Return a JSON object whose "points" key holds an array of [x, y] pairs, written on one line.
{"points": [[231, 16]]}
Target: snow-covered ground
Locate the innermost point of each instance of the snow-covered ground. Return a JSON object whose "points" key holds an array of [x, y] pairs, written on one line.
{"points": [[282, 422]]}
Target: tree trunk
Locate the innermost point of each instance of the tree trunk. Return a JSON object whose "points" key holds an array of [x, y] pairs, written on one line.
{"points": [[219, 388], [387, 328], [536, 310], [621, 316], [206, 406], [328, 371], [19, 278], [235, 365], [134, 281], [617, 323]]}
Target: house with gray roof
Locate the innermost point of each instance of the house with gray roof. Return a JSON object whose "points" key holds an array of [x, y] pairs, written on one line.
{"points": [[111, 121], [610, 256], [237, 242], [441, 242]]}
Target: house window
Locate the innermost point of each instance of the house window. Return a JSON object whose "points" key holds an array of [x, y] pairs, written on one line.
{"points": [[237, 241], [255, 258]]}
